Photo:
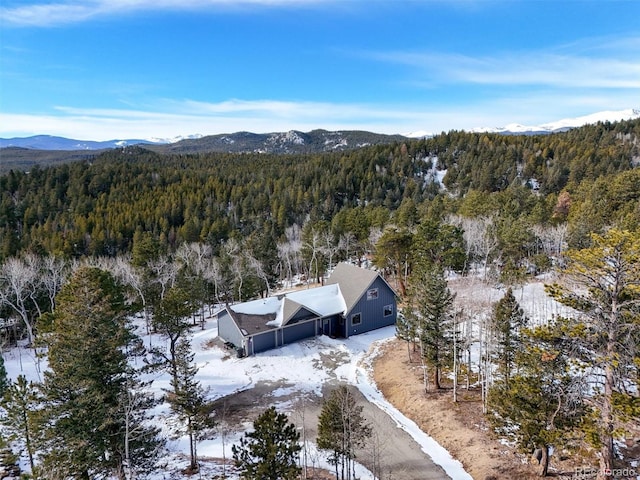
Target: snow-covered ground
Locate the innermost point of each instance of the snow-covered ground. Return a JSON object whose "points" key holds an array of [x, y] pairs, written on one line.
{"points": [[299, 368]]}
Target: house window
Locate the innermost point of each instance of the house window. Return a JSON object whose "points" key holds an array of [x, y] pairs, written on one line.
{"points": [[356, 319], [387, 310], [372, 294]]}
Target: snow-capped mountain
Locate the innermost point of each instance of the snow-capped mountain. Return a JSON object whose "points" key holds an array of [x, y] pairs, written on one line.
{"points": [[552, 127], [418, 134], [564, 124], [606, 116], [179, 138]]}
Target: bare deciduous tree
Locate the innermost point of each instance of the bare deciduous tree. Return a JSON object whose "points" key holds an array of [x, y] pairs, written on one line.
{"points": [[552, 239], [164, 273], [18, 283], [479, 237], [55, 272]]}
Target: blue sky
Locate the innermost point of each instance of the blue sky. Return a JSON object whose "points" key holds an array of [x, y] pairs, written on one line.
{"points": [[105, 69]]}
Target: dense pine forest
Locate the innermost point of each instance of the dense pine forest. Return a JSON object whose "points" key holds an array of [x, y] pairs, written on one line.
{"points": [[165, 236], [103, 207]]}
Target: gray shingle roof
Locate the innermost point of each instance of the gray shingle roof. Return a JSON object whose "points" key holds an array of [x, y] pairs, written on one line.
{"points": [[250, 324], [353, 281]]}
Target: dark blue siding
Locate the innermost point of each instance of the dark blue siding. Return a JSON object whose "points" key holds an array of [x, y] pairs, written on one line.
{"points": [[372, 311], [263, 341], [299, 331]]}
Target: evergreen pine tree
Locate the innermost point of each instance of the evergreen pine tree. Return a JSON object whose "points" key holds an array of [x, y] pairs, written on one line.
{"points": [[20, 404], [171, 320], [439, 243], [141, 443], [393, 255], [604, 337], [406, 329], [432, 302], [270, 452], [83, 412], [541, 405], [8, 459], [507, 322], [188, 400]]}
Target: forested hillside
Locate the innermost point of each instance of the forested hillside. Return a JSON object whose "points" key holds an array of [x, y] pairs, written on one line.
{"points": [[101, 207]]}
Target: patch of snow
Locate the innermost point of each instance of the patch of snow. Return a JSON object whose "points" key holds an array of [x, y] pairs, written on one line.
{"points": [[290, 137], [433, 174]]}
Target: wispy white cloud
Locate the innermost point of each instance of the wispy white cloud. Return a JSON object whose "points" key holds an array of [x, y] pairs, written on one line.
{"points": [[41, 14], [48, 14], [272, 110], [609, 64]]}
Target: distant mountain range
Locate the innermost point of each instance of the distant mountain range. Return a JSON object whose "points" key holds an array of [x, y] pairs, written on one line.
{"points": [[48, 142], [553, 127], [288, 142]]}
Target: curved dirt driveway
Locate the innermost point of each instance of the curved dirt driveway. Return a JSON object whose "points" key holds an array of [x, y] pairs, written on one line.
{"points": [[400, 457]]}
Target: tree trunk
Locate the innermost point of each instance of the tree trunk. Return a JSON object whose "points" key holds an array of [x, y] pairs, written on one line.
{"points": [[607, 452], [544, 460], [402, 286], [173, 340], [468, 369], [120, 472], [29, 448], [455, 367], [425, 375], [192, 449]]}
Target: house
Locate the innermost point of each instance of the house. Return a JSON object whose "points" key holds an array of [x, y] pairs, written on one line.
{"points": [[354, 300]]}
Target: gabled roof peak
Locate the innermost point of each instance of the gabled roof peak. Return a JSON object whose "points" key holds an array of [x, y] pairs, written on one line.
{"points": [[353, 281]]}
